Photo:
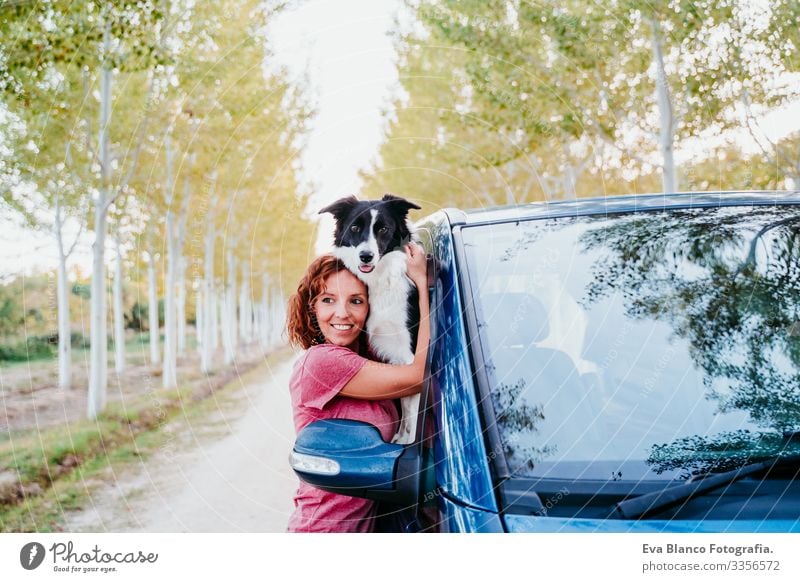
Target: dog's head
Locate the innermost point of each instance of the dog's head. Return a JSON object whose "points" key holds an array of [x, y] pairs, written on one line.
{"points": [[368, 229]]}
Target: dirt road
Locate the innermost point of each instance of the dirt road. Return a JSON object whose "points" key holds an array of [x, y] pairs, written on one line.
{"points": [[226, 472]]}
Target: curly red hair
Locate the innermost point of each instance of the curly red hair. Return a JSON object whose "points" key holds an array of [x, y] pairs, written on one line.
{"points": [[301, 324]]}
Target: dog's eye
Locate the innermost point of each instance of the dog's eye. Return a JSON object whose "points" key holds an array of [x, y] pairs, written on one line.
{"points": [[355, 228], [382, 230]]}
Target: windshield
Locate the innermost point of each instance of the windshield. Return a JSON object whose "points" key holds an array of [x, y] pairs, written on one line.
{"points": [[655, 345]]}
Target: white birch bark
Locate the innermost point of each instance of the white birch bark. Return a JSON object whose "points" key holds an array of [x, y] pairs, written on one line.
{"points": [[98, 351], [199, 322], [229, 321], [180, 300], [233, 306], [64, 331], [277, 318], [568, 181], [180, 262], [169, 376], [666, 114], [255, 308], [264, 323], [216, 315], [209, 299], [119, 314], [180, 303], [245, 311], [152, 308], [208, 308]]}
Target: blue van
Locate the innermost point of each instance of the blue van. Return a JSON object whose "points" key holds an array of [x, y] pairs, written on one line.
{"points": [[627, 364]]}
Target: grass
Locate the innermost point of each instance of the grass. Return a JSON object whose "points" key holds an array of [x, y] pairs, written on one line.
{"points": [[45, 473], [137, 343]]}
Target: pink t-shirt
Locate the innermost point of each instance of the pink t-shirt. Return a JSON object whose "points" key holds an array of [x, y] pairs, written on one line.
{"points": [[316, 380]]}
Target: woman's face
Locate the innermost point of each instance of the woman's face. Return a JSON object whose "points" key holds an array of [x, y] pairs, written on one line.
{"points": [[342, 309]]}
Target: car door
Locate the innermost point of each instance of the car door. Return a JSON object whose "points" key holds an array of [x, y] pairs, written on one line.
{"points": [[421, 516]]}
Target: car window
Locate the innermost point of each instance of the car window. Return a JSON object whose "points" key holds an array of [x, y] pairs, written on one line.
{"points": [[640, 346]]}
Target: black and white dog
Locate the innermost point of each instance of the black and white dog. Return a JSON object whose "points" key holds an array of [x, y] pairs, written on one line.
{"points": [[369, 240]]}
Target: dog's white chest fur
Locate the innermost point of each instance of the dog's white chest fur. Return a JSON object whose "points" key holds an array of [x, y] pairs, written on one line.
{"points": [[387, 328], [387, 324]]}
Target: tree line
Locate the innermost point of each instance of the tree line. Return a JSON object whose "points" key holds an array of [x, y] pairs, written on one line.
{"points": [[163, 129], [504, 101]]}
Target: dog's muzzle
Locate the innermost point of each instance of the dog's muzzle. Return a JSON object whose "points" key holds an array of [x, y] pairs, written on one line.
{"points": [[366, 265]]}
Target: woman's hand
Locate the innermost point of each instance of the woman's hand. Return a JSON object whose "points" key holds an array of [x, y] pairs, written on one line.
{"points": [[417, 265], [378, 381]]}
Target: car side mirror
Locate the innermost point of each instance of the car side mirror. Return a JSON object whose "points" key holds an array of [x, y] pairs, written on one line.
{"points": [[349, 457]]}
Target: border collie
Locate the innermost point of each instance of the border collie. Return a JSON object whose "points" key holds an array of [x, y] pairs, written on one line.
{"points": [[369, 240]]}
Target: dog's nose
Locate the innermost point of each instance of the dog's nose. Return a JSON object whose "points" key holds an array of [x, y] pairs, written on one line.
{"points": [[365, 256]]}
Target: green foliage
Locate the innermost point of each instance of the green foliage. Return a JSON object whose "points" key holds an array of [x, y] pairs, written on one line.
{"points": [[735, 308], [52, 53], [39, 35], [26, 305], [38, 347], [726, 451], [12, 316], [138, 318], [82, 290], [35, 348], [30, 333], [516, 101]]}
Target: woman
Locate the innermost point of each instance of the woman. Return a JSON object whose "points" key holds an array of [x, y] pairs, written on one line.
{"points": [[334, 378]]}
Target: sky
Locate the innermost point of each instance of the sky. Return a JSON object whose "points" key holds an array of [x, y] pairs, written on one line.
{"points": [[345, 47]]}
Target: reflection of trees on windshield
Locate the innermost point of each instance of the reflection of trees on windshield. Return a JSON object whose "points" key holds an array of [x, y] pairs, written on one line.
{"points": [[528, 236], [517, 423], [726, 280], [696, 455]]}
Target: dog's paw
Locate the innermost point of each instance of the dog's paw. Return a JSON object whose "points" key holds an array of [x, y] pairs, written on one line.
{"points": [[403, 438]]}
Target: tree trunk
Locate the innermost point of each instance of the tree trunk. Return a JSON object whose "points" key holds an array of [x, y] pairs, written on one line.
{"points": [[64, 331], [255, 309], [180, 262], [568, 181], [245, 311], [666, 112], [169, 377], [264, 322], [199, 322], [98, 351], [209, 301], [217, 313], [119, 314], [229, 323], [152, 310], [180, 306], [277, 318]]}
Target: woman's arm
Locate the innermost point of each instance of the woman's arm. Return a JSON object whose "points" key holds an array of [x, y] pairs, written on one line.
{"points": [[378, 381]]}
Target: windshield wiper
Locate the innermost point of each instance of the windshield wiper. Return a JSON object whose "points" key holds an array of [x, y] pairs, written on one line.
{"points": [[650, 503]]}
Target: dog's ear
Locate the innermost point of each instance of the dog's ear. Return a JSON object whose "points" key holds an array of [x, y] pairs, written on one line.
{"points": [[341, 207], [401, 203]]}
